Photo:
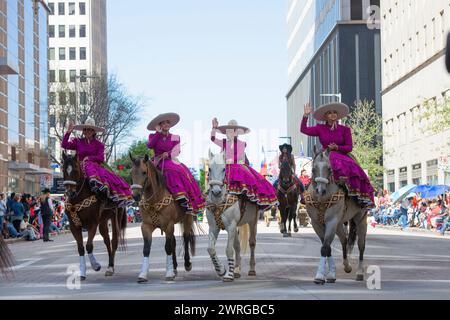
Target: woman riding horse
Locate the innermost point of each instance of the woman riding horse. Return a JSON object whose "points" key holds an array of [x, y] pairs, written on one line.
{"points": [[286, 155], [91, 153], [180, 181], [240, 178], [338, 139]]}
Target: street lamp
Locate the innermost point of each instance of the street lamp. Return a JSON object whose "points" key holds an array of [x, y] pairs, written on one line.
{"points": [[337, 95]]}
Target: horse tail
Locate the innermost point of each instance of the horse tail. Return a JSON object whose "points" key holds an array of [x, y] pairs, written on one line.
{"points": [[244, 235], [189, 233], [121, 223], [6, 259], [351, 236]]}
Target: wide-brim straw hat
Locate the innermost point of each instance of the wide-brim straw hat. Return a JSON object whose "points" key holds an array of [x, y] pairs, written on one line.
{"points": [[173, 118], [234, 126], [342, 110], [89, 124]]}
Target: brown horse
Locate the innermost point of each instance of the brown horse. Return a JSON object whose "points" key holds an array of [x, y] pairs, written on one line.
{"points": [[160, 210], [288, 192], [6, 259], [87, 210]]}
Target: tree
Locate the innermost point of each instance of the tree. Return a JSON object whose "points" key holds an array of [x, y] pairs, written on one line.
{"points": [[437, 114], [105, 100], [137, 149], [366, 127]]}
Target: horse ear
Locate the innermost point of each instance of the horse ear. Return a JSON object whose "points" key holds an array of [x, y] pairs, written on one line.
{"points": [[327, 152], [131, 157], [64, 155], [146, 158], [315, 150]]}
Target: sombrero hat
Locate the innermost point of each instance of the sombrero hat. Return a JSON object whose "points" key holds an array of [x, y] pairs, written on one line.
{"points": [[89, 124], [341, 108], [233, 125], [288, 146], [173, 118]]}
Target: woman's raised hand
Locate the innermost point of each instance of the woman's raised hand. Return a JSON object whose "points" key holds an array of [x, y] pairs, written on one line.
{"points": [[215, 123], [70, 129], [308, 109], [158, 128]]}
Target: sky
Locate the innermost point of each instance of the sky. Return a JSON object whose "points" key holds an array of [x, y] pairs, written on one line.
{"points": [[204, 59]]}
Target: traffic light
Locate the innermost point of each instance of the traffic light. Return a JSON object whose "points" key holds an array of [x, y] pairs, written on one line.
{"points": [[120, 167]]}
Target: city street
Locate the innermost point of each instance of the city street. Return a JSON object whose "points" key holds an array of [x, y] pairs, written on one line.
{"points": [[413, 266]]}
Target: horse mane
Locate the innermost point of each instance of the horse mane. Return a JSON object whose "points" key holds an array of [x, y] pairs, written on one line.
{"points": [[157, 176]]}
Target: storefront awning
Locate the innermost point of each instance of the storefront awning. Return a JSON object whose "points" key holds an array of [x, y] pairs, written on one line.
{"points": [[7, 67], [28, 168]]}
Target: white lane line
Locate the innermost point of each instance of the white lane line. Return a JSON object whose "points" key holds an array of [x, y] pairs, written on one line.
{"points": [[26, 264]]}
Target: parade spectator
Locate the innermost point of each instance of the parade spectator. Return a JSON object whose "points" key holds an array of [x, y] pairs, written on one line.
{"points": [[3, 210], [18, 212], [403, 221], [46, 213], [27, 231], [9, 203], [26, 201], [305, 179]]}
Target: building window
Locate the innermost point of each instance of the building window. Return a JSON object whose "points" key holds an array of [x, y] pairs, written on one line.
{"points": [[52, 97], [52, 76], [72, 53], [61, 8], [52, 120], [72, 98], [83, 98], [62, 31], [62, 76], [72, 31], [83, 53], [391, 187], [62, 53], [51, 31], [62, 99], [72, 75], [51, 53], [82, 31], [83, 74], [356, 10], [51, 6], [82, 8], [71, 8]]}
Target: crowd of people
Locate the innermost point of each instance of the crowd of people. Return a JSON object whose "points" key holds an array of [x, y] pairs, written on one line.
{"points": [[31, 217], [430, 214]]}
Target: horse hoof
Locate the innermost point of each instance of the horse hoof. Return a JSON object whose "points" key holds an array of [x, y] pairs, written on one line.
{"points": [[170, 278], [319, 281], [331, 280], [188, 267], [285, 235], [97, 268], [227, 279], [296, 230], [176, 272], [82, 278], [237, 275], [348, 269], [252, 273], [109, 273], [142, 280], [359, 277]]}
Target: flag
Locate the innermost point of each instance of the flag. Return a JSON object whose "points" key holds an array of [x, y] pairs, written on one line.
{"points": [[264, 164]]}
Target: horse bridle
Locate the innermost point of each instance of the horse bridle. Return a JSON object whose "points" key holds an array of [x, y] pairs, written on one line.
{"points": [[74, 183], [322, 179], [142, 188]]}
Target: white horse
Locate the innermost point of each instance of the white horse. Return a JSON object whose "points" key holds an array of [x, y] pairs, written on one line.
{"points": [[329, 208], [224, 212]]}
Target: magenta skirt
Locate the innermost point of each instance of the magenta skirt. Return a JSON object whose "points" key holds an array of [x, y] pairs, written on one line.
{"points": [[103, 180], [242, 179], [182, 185], [347, 171]]}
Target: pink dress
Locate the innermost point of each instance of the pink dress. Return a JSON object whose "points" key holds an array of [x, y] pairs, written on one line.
{"points": [[180, 181], [241, 178], [344, 166], [92, 155]]}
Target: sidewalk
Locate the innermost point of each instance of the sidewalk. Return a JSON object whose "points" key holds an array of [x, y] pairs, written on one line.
{"points": [[52, 235], [413, 230]]}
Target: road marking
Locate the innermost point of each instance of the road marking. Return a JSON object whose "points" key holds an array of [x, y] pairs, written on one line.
{"points": [[26, 264]]}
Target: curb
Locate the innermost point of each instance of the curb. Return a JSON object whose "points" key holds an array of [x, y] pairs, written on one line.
{"points": [[409, 229], [14, 240]]}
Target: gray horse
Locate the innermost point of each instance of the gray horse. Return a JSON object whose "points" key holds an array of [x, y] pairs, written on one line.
{"points": [[330, 209]]}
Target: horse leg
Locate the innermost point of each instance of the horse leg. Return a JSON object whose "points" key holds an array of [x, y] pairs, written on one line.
{"points": [[90, 247], [252, 243], [340, 231], [174, 257], [320, 275], [330, 232], [213, 234], [77, 233], [103, 228], [188, 240], [147, 231], [232, 233], [294, 213], [170, 249], [362, 233], [237, 250], [283, 213]]}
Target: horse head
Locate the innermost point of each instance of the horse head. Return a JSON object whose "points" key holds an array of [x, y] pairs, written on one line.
{"points": [[145, 176], [72, 174], [285, 174], [322, 174], [216, 174]]}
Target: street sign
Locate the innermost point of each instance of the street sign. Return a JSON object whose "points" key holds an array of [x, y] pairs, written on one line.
{"points": [[46, 181], [58, 186]]}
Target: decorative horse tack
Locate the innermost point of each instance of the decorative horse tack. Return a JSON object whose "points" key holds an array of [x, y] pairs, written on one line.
{"points": [[323, 206], [221, 208], [75, 208], [286, 192], [154, 209]]}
